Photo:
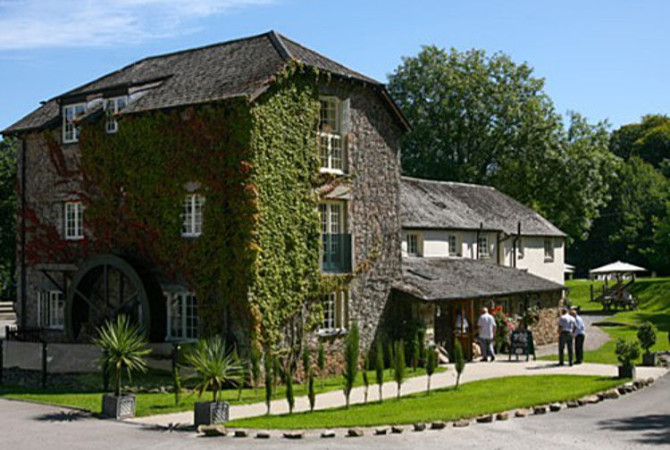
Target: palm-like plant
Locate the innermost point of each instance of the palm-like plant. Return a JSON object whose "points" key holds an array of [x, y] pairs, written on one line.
{"points": [[215, 365], [123, 346]]}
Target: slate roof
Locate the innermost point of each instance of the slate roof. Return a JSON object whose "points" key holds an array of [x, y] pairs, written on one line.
{"points": [[433, 279], [239, 68], [427, 204]]}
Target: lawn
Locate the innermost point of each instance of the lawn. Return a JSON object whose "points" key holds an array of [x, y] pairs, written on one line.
{"points": [[470, 400], [653, 295], [150, 404]]}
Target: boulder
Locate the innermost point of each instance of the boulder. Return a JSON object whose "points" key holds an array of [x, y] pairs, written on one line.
{"points": [[502, 415], [294, 434], [420, 426], [488, 418], [650, 381], [572, 404], [328, 434], [355, 432], [212, 430], [262, 435], [397, 429], [555, 407], [381, 431], [241, 433], [439, 425], [521, 413], [612, 394], [462, 423], [540, 410]]}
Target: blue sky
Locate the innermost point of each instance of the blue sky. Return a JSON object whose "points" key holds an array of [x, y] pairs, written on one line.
{"points": [[604, 59]]}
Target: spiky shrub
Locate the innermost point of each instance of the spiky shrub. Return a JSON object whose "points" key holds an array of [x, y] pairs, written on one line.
{"points": [[431, 364], [379, 367], [311, 394], [306, 364], [366, 381], [124, 347], [351, 353], [646, 334], [255, 367], [627, 352], [214, 365], [290, 396], [269, 379], [321, 361], [399, 365], [459, 361], [414, 351]]}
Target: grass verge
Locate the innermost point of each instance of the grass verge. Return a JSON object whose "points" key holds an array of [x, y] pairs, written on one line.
{"points": [[470, 400], [159, 403]]}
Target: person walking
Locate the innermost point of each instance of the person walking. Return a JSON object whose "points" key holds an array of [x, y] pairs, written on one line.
{"points": [[566, 329], [580, 336], [487, 332]]}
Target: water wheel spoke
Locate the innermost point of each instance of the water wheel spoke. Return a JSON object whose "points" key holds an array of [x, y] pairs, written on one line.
{"points": [[130, 299]]}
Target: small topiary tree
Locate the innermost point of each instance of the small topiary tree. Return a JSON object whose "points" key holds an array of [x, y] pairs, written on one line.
{"points": [[646, 334], [379, 368], [241, 364], [306, 364], [311, 394], [399, 365], [459, 361], [288, 380], [255, 367], [268, 367], [627, 352], [366, 381], [276, 374], [390, 358], [422, 347], [351, 354], [321, 362], [431, 364], [414, 351]]}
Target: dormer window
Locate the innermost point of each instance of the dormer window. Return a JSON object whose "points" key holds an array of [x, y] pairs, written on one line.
{"points": [[112, 107], [71, 113], [331, 145]]}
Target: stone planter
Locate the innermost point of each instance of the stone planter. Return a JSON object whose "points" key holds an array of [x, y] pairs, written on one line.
{"points": [[121, 407], [649, 359], [209, 413], [626, 371]]}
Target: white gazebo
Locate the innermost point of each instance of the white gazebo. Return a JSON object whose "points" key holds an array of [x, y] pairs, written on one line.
{"points": [[617, 268], [619, 294]]}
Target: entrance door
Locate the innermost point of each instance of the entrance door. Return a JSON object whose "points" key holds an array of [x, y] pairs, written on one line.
{"points": [[462, 316]]}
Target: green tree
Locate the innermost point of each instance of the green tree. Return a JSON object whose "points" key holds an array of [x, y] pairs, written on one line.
{"points": [[268, 367], [459, 361], [321, 361], [351, 354], [399, 365], [7, 216], [415, 351], [255, 366], [288, 379], [646, 334], [379, 368], [311, 394], [431, 364], [487, 120], [648, 140]]}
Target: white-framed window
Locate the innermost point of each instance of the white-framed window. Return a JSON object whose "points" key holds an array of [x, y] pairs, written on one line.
{"points": [[71, 113], [414, 244], [548, 250], [51, 309], [519, 249], [331, 144], [335, 311], [483, 247], [182, 316], [453, 245], [332, 225], [112, 108], [192, 215], [74, 221]]}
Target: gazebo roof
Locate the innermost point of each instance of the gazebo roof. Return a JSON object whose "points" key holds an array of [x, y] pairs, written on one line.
{"points": [[617, 267]]}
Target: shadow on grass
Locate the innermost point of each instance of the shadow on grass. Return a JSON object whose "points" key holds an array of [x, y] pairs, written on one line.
{"points": [[650, 429]]}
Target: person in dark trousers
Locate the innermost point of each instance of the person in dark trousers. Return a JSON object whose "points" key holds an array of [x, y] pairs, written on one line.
{"points": [[580, 336], [566, 329]]}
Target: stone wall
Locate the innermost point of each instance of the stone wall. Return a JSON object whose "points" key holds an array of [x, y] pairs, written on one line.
{"points": [[373, 177]]}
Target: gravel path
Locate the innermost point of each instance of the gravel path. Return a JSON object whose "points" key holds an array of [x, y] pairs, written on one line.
{"points": [[595, 337]]}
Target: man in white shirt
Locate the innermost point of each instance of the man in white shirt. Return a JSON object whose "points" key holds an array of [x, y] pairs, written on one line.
{"points": [[487, 332], [580, 336], [566, 329]]}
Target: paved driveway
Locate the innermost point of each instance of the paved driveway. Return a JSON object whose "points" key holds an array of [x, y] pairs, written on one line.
{"points": [[638, 420]]}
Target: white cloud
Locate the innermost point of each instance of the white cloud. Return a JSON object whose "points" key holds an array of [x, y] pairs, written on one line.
{"points": [[26, 24]]}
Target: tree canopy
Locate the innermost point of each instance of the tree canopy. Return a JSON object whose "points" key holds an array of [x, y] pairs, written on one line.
{"points": [[487, 120], [7, 215]]}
